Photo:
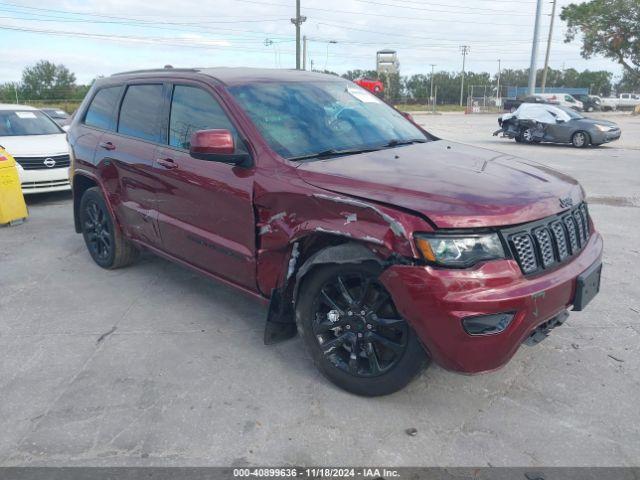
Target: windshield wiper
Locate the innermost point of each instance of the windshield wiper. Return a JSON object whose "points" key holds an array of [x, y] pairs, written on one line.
{"points": [[398, 142], [332, 152]]}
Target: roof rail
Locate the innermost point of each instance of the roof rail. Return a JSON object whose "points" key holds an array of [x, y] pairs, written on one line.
{"points": [[155, 70]]}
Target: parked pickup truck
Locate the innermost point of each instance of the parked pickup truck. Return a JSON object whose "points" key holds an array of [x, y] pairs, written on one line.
{"points": [[624, 101]]}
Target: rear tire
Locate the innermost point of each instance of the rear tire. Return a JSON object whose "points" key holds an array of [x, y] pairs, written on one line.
{"points": [[388, 352], [580, 139], [106, 244]]}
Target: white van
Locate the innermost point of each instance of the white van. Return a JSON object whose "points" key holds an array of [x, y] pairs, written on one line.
{"points": [[563, 99]]}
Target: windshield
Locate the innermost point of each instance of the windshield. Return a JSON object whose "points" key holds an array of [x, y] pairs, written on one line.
{"points": [[313, 118], [571, 112], [26, 122]]}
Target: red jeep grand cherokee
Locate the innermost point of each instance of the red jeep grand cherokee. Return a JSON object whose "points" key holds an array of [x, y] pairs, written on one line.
{"points": [[381, 244]]}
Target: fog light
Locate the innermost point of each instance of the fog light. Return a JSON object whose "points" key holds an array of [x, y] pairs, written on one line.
{"points": [[487, 324]]}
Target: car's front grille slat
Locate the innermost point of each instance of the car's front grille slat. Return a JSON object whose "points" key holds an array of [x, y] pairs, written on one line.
{"points": [[43, 163], [543, 244]]}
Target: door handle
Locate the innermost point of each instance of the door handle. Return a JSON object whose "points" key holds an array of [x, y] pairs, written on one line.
{"points": [[107, 145], [167, 163]]}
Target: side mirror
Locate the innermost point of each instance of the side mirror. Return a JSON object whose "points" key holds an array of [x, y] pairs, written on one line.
{"points": [[216, 146], [559, 120]]}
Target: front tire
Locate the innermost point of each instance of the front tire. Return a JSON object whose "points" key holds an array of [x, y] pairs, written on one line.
{"points": [[353, 332], [526, 136], [580, 140], [106, 244]]}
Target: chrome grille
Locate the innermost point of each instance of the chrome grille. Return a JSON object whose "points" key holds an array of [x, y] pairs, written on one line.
{"points": [[38, 163], [545, 243]]}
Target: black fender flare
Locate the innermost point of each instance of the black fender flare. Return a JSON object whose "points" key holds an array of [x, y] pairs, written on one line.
{"points": [[280, 324]]}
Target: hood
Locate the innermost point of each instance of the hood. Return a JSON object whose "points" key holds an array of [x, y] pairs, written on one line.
{"points": [[454, 185], [593, 121], [36, 145]]}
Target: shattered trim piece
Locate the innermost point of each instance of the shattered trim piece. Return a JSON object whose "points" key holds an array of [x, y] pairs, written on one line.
{"points": [[295, 253]]}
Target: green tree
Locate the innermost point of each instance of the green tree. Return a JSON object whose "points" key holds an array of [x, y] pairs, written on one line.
{"points": [[353, 74], [628, 83], [47, 81], [610, 28], [9, 91]]}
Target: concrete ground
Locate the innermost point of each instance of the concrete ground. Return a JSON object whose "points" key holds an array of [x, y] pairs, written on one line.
{"points": [[154, 365]]}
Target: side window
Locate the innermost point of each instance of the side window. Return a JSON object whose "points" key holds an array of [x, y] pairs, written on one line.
{"points": [[194, 109], [101, 111], [140, 112], [569, 99]]}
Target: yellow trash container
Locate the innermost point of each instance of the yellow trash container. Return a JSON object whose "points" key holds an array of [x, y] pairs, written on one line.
{"points": [[12, 206]]}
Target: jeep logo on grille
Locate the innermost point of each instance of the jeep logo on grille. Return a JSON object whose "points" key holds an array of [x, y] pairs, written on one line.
{"points": [[566, 202], [49, 162]]}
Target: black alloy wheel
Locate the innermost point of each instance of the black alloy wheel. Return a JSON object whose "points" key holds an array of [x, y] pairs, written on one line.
{"points": [[105, 242], [353, 331], [357, 327], [97, 231]]}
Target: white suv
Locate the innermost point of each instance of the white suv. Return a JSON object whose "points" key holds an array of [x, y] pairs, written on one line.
{"points": [[39, 146]]}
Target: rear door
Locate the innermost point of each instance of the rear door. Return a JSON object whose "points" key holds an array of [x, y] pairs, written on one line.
{"points": [[99, 118], [127, 157], [205, 208]]}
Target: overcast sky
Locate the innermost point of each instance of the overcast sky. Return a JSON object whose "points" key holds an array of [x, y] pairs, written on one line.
{"points": [[100, 37]]}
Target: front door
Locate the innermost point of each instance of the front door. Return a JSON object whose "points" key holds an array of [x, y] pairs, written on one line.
{"points": [[205, 209]]}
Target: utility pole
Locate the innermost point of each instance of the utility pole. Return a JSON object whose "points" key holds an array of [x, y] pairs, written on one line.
{"points": [[546, 58], [312, 64], [304, 52], [498, 97], [534, 50], [465, 49], [433, 65], [299, 20]]}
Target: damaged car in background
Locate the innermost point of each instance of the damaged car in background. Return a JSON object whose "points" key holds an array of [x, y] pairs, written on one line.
{"points": [[533, 123], [382, 246]]}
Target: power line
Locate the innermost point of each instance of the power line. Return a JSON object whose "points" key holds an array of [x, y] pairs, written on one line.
{"points": [[351, 12], [476, 11]]}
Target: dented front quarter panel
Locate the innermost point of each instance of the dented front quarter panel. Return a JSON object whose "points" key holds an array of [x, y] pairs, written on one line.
{"points": [[291, 210]]}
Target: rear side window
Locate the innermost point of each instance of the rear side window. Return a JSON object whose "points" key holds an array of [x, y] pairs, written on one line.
{"points": [[100, 113], [193, 109], [140, 112]]}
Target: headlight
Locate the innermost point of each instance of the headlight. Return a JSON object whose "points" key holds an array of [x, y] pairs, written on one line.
{"points": [[604, 128], [459, 250]]}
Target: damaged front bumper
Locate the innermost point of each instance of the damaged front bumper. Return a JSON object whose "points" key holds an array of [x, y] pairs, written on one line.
{"points": [[435, 301]]}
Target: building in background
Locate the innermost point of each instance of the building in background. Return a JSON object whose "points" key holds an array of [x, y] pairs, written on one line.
{"points": [[387, 62]]}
